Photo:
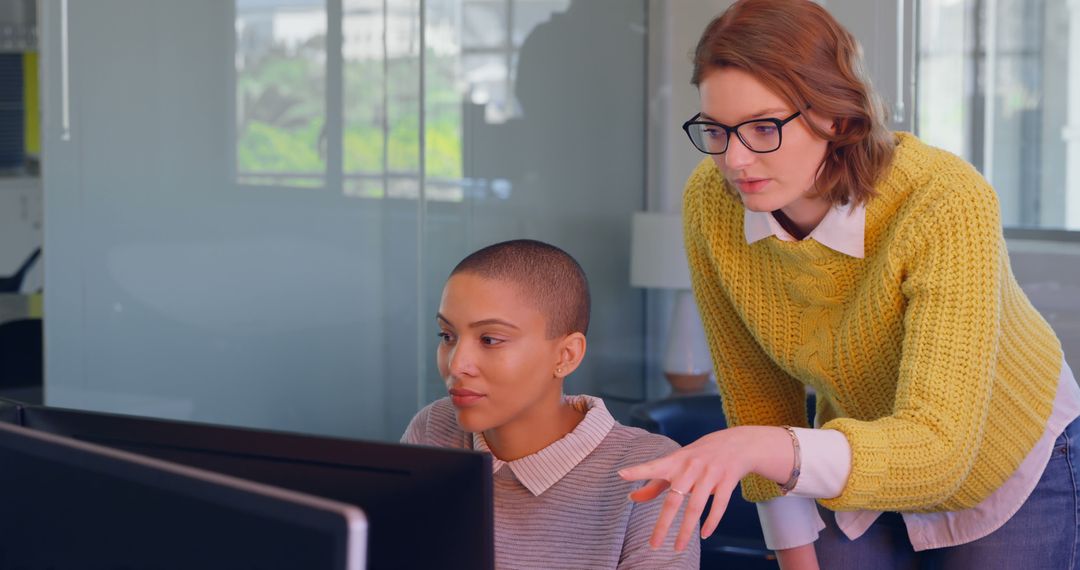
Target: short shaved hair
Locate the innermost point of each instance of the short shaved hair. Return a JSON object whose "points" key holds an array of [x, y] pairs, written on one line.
{"points": [[546, 274]]}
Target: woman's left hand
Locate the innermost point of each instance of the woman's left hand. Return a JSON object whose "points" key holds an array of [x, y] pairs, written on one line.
{"points": [[711, 466]]}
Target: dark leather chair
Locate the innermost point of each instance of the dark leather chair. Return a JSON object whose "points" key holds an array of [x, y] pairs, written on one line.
{"points": [[737, 542]]}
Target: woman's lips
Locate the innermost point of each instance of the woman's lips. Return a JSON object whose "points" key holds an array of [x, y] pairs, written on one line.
{"points": [[751, 185], [463, 398]]}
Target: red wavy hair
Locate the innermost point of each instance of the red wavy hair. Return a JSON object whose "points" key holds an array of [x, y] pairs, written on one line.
{"points": [[798, 50]]}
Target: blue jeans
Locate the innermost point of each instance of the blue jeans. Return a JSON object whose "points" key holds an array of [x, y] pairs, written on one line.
{"points": [[1043, 534]]}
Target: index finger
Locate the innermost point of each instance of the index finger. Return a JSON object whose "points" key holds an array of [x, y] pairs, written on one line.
{"points": [[655, 469]]}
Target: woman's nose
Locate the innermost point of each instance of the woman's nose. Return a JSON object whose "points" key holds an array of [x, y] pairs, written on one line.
{"points": [[738, 156], [461, 361]]}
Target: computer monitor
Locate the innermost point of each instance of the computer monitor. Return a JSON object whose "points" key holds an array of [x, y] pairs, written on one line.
{"points": [[426, 507], [71, 504], [9, 411]]}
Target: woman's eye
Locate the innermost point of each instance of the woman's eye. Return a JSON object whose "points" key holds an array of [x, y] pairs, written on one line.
{"points": [[490, 341], [445, 337], [712, 133], [765, 129]]}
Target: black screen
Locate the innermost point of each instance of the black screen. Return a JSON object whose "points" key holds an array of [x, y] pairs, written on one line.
{"points": [[69, 505], [426, 507]]}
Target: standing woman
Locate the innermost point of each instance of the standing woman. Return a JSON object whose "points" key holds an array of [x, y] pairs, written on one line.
{"points": [[828, 252]]}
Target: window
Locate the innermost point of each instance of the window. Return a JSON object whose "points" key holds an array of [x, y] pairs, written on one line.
{"points": [[999, 84], [288, 118]]}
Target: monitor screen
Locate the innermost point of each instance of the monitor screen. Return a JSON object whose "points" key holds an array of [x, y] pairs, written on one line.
{"points": [[425, 506], [70, 504]]}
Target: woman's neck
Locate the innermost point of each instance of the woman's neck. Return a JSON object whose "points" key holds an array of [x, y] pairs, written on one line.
{"points": [[802, 216], [532, 431]]}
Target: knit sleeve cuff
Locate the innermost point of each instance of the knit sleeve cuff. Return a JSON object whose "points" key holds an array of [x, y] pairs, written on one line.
{"points": [[872, 448]]}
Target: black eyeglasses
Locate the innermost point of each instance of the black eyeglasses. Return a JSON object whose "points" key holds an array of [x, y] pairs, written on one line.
{"points": [[758, 135]]}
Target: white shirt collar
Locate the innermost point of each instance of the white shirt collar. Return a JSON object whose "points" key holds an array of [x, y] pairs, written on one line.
{"points": [[843, 229], [541, 470]]}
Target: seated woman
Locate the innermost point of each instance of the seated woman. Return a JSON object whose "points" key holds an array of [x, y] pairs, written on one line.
{"points": [[512, 320]]}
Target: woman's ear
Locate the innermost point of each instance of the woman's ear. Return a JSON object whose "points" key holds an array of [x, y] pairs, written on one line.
{"points": [[571, 351]]}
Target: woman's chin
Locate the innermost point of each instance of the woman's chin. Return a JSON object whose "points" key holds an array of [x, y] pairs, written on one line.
{"points": [[758, 203], [471, 422]]}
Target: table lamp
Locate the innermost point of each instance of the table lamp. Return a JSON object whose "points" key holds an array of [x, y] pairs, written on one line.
{"points": [[658, 261]]}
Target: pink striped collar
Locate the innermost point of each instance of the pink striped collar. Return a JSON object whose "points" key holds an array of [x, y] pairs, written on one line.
{"points": [[843, 229], [539, 471]]}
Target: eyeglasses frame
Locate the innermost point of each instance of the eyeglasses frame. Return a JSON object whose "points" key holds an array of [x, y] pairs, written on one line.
{"points": [[735, 129]]}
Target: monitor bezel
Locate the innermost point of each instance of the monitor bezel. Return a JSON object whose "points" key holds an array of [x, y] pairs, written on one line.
{"points": [[347, 523], [140, 434]]}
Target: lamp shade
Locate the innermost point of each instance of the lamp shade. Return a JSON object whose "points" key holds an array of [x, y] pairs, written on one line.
{"points": [[657, 257]]}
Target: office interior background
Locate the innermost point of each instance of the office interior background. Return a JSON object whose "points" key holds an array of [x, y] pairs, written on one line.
{"points": [[247, 208]]}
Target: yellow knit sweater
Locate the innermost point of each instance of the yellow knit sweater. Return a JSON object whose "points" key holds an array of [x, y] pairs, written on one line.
{"points": [[925, 354]]}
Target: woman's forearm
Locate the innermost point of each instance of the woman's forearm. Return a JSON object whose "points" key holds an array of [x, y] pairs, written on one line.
{"points": [[770, 451]]}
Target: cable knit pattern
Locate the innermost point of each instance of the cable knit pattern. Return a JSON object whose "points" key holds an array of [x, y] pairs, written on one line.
{"points": [[925, 354]]}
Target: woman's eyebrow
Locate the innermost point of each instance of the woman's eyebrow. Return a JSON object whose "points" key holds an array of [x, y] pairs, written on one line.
{"points": [[481, 323], [487, 322], [769, 111]]}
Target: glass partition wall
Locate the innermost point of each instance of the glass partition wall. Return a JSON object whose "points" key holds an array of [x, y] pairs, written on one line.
{"points": [[252, 205]]}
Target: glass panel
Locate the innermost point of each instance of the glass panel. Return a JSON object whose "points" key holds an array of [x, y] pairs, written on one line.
{"points": [[403, 91], [211, 300], [382, 103], [488, 78], [312, 310], [529, 119], [443, 116], [484, 23], [280, 92], [528, 14], [366, 97]]}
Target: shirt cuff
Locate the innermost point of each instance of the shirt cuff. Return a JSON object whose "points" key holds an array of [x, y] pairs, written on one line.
{"points": [[788, 522], [826, 463]]}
